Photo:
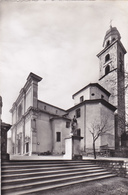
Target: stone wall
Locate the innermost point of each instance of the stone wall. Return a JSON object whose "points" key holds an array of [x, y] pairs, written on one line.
{"points": [[118, 167]]}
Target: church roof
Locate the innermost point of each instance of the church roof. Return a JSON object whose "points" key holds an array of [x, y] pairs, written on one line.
{"points": [[91, 85]]}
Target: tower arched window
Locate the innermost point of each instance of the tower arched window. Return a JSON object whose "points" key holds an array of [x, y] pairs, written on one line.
{"points": [[113, 39], [107, 57], [108, 43], [107, 69]]}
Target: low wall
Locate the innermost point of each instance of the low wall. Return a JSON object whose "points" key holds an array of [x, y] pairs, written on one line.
{"points": [[118, 167]]}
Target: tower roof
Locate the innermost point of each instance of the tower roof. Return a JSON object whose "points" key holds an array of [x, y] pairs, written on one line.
{"points": [[112, 33], [112, 36], [92, 85]]}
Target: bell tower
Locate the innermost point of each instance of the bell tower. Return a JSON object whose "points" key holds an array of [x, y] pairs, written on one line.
{"points": [[112, 76]]}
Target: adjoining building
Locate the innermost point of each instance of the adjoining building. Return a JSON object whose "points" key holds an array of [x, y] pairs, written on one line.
{"points": [[41, 128], [4, 127]]}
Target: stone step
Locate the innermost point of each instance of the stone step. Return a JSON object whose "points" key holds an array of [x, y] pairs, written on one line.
{"points": [[37, 187], [19, 178], [25, 162], [44, 177], [27, 170], [31, 174], [49, 181], [11, 166]]}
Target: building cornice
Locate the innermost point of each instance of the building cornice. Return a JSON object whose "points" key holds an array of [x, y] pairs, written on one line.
{"points": [[106, 48], [94, 101], [34, 77], [60, 117], [108, 73], [5, 126]]}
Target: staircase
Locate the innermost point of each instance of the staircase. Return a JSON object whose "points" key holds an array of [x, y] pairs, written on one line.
{"points": [[33, 177]]}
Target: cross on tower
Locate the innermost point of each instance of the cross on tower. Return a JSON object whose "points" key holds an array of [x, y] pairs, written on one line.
{"points": [[111, 23]]}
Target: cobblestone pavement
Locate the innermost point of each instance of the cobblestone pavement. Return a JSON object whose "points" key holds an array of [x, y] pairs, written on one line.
{"points": [[112, 186]]}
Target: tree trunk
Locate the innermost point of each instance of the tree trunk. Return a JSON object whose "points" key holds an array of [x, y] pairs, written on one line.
{"points": [[94, 151]]}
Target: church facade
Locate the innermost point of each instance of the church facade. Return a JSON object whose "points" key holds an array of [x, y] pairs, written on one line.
{"points": [[41, 128]]}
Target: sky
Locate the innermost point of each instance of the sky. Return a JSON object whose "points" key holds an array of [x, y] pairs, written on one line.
{"points": [[57, 40]]}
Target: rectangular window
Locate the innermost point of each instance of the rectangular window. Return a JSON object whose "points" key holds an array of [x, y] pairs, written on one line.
{"points": [[27, 147], [58, 136], [19, 111], [81, 98], [67, 124], [78, 113]]}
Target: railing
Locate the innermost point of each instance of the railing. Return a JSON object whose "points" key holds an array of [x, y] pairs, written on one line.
{"points": [[102, 151]]}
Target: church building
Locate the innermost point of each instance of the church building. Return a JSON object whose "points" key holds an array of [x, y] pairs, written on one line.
{"points": [[41, 128]]}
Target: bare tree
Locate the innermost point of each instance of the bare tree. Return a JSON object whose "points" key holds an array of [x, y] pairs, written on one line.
{"points": [[97, 129]]}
